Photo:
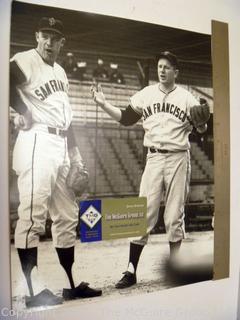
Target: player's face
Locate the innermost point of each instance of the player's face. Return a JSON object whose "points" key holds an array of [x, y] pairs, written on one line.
{"points": [[167, 73], [49, 45]]}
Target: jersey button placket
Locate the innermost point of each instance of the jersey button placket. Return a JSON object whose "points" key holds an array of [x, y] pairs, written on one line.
{"points": [[163, 122], [61, 96]]}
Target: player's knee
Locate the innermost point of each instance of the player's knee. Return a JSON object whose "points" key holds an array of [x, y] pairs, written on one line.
{"points": [[63, 225], [64, 238], [172, 225], [38, 227]]}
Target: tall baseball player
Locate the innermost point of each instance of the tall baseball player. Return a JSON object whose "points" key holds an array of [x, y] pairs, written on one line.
{"points": [[168, 113], [46, 159]]}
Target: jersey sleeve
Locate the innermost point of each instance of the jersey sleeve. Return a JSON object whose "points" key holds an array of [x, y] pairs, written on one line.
{"points": [[24, 63], [129, 116], [137, 102], [17, 78]]}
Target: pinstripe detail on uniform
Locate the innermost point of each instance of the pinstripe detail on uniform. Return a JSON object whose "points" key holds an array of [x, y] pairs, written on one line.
{"points": [[187, 183], [188, 175], [32, 191]]}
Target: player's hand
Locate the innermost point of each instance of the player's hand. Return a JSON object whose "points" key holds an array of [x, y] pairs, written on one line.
{"points": [[78, 176], [23, 121], [98, 95]]}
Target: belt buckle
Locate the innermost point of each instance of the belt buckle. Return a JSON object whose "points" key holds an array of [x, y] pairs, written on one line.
{"points": [[58, 132]]}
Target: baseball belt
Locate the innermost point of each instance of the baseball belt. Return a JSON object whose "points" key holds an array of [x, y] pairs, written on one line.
{"points": [[154, 150], [57, 131]]}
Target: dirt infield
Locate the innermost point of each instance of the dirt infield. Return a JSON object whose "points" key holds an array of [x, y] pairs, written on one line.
{"points": [[102, 263]]}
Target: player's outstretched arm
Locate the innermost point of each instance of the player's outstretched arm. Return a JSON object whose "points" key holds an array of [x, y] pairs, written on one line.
{"points": [[99, 98]]}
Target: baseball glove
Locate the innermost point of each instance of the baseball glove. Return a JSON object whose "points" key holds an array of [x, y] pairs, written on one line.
{"points": [[77, 179], [200, 114]]}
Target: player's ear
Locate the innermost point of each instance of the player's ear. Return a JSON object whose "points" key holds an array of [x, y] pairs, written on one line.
{"points": [[176, 73], [63, 40], [37, 36]]}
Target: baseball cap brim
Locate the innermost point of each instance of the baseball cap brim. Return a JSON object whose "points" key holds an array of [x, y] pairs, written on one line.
{"points": [[52, 30]]}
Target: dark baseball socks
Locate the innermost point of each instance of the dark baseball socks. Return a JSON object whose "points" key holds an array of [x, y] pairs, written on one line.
{"points": [[28, 260], [66, 259], [134, 255], [136, 250], [129, 277]]}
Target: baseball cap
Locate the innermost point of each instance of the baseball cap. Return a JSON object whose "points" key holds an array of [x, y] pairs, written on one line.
{"points": [[170, 57], [51, 24]]}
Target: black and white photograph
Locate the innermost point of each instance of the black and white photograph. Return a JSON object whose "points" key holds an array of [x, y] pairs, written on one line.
{"points": [[105, 107]]}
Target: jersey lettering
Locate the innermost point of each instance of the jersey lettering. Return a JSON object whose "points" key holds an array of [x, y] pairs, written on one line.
{"points": [[43, 92], [176, 113], [39, 94], [166, 108]]}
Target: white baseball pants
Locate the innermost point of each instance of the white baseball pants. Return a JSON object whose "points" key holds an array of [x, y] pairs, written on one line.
{"points": [[41, 162], [170, 172]]}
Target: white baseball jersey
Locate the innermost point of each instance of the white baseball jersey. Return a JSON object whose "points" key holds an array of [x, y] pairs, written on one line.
{"points": [[165, 116], [45, 90]]}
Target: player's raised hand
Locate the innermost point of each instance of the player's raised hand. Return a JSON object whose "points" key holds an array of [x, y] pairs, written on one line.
{"points": [[98, 95]]}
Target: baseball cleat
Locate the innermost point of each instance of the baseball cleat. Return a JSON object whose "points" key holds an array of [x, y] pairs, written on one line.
{"points": [[128, 280], [44, 298], [82, 291]]}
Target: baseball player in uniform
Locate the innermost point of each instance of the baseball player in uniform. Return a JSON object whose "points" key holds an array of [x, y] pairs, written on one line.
{"points": [[43, 155], [167, 111]]}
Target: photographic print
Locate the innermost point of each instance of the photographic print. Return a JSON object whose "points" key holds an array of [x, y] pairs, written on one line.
{"points": [[106, 109]]}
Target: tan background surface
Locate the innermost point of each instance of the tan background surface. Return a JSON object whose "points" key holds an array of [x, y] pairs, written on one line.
{"points": [[220, 58]]}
